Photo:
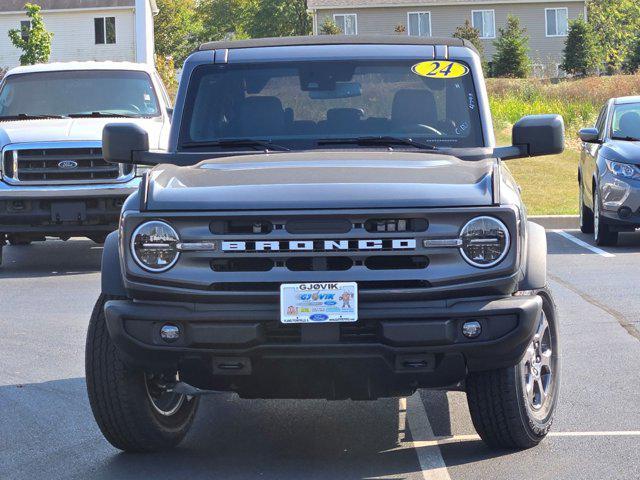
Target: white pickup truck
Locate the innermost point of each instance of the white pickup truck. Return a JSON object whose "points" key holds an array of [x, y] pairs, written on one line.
{"points": [[53, 179]]}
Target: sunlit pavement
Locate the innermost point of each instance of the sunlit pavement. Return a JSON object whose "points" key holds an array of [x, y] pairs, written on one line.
{"points": [[47, 431]]}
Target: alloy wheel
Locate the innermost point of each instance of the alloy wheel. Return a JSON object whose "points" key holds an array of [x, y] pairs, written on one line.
{"points": [[538, 366]]}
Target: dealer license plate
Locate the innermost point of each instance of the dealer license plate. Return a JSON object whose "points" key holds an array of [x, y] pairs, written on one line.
{"points": [[322, 302]]}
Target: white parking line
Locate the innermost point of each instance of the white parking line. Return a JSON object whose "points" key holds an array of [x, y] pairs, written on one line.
{"points": [[429, 455], [583, 244]]}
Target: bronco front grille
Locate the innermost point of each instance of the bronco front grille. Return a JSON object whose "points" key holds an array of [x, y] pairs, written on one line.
{"points": [[60, 164]]}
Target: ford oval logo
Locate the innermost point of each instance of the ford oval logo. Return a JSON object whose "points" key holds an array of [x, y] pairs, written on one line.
{"points": [[318, 317], [67, 164]]}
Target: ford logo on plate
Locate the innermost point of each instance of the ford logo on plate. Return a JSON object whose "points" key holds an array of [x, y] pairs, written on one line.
{"points": [[67, 164], [318, 317]]}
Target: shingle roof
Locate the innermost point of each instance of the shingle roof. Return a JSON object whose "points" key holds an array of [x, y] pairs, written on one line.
{"points": [[18, 5], [399, 3]]}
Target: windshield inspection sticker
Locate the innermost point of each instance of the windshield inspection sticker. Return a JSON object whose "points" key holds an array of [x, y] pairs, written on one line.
{"points": [[440, 69]]}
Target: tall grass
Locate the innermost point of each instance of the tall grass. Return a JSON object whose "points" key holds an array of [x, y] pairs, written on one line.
{"points": [[578, 101]]}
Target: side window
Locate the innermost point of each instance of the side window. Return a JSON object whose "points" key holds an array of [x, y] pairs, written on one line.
{"points": [[25, 28], [602, 120]]}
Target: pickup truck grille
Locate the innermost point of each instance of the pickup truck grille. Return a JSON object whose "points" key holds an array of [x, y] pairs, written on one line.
{"points": [[60, 164]]}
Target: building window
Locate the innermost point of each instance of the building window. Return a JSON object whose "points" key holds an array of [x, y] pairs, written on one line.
{"points": [[347, 22], [557, 21], [485, 22], [25, 28], [419, 24], [105, 30]]}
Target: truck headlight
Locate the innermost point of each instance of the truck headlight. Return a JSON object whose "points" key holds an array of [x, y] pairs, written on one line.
{"points": [[153, 246], [485, 242]]}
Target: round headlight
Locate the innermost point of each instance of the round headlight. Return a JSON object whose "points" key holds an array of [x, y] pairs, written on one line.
{"points": [[153, 246], [485, 242]]}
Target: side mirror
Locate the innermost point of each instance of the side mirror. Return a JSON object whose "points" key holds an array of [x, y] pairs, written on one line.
{"points": [[589, 135], [533, 136], [124, 142], [170, 112]]}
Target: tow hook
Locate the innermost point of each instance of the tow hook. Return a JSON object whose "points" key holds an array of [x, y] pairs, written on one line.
{"points": [[186, 389]]}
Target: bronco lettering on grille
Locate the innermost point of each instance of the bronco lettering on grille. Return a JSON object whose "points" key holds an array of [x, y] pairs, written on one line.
{"points": [[319, 245]]}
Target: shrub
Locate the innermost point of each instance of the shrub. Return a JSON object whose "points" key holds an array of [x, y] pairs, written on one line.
{"points": [[512, 51], [36, 47], [329, 27], [167, 71], [581, 53]]}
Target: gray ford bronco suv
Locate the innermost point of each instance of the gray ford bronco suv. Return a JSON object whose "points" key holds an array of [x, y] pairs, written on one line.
{"points": [[332, 220]]}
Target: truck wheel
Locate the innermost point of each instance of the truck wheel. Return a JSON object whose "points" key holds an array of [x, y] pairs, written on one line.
{"points": [[513, 407], [133, 408]]}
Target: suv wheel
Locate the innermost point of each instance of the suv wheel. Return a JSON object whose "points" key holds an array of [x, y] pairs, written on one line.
{"points": [[135, 410], [514, 407], [586, 214], [602, 233]]}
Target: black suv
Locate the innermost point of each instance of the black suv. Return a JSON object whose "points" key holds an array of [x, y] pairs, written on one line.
{"points": [[332, 220]]}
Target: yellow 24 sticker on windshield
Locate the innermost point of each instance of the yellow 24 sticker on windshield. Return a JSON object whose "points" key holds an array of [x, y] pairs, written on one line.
{"points": [[440, 69]]}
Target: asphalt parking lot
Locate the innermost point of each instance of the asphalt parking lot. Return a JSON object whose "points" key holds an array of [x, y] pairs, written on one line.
{"points": [[47, 291]]}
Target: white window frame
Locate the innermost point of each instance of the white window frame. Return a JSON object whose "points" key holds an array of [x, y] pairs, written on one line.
{"points": [[355, 17], [409, 23], [493, 12], [546, 22]]}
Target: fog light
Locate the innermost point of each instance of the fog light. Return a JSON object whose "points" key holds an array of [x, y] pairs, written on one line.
{"points": [[471, 329], [624, 212], [170, 333]]}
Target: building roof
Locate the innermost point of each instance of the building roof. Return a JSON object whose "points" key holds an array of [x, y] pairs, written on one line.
{"points": [[18, 5], [315, 4], [67, 66], [336, 40]]}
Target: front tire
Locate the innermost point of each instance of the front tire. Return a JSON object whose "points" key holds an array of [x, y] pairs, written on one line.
{"points": [[602, 233], [133, 408], [586, 214], [513, 407]]}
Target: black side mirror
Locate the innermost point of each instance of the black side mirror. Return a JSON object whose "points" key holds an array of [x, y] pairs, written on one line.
{"points": [[533, 136], [124, 142], [170, 112], [589, 135]]}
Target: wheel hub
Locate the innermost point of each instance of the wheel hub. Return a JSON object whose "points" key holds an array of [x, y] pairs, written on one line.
{"points": [[162, 399], [537, 365]]}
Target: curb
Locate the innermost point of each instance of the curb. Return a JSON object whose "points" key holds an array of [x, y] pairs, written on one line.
{"points": [[557, 222]]}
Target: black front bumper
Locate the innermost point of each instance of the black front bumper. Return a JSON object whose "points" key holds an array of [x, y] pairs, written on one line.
{"points": [[392, 350]]}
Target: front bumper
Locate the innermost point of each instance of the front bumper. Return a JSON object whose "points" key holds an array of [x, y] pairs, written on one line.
{"points": [[392, 350], [62, 209]]}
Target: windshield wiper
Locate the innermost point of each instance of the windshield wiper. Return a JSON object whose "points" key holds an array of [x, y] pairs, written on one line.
{"points": [[383, 141], [626, 139], [27, 116], [102, 114], [238, 142]]}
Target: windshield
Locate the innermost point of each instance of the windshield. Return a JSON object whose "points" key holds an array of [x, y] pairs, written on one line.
{"points": [[79, 92], [300, 104], [626, 121]]}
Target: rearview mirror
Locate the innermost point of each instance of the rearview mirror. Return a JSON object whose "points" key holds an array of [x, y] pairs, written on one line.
{"points": [[589, 135], [124, 142], [533, 136]]}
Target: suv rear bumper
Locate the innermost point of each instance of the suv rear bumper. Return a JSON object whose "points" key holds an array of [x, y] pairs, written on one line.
{"points": [[392, 350]]}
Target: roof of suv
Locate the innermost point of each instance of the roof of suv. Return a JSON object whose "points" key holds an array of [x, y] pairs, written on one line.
{"points": [[68, 66], [337, 40]]}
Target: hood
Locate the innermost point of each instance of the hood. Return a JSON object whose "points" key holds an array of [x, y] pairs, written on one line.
{"points": [[72, 129], [622, 151], [321, 179]]}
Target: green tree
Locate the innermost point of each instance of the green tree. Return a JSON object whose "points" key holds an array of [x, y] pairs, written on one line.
{"points": [[512, 51], [329, 27], [278, 18], [616, 24], [177, 29], [468, 32], [632, 63], [581, 52], [34, 43], [224, 19]]}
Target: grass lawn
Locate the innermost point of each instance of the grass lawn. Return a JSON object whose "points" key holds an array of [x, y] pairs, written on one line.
{"points": [[549, 184]]}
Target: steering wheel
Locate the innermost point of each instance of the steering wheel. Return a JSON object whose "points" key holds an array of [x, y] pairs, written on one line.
{"points": [[421, 126], [134, 107]]}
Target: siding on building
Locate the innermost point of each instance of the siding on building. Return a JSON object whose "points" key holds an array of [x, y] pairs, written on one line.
{"points": [[445, 19], [74, 36]]}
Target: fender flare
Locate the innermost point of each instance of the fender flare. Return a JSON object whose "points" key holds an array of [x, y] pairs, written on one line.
{"points": [[111, 272], [535, 265]]}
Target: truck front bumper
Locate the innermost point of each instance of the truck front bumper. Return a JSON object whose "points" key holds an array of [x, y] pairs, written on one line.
{"points": [[62, 209], [392, 349]]}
